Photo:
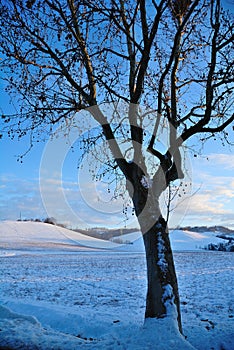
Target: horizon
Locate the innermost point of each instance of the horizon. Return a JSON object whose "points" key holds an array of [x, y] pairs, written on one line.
{"points": [[96, 228]]}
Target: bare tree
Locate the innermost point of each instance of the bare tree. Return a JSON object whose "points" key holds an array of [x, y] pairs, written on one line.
{"points": [[174, 57]]}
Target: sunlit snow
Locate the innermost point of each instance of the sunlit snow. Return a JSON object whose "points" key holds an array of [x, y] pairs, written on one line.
{"points": [[60, 291]]}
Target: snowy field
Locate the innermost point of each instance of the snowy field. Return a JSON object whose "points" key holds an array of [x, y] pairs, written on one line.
{"points": [[54, 299]]}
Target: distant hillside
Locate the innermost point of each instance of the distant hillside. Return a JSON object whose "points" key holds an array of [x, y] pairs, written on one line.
{"points": [[37, 236], [202, 229], [105, 233], [109, 234]]}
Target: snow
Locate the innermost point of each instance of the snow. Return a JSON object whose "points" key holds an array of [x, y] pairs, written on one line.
{"points": [[63, 298], [39, 236], [169, 301], [25, 235], [188, 240], [180, 240], [146, 182], [162, 263]]}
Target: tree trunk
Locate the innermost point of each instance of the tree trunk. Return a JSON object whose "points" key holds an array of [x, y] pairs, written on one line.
{"points": [[162, 294]]}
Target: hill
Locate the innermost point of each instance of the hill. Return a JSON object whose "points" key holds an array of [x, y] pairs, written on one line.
{"points": [[217, 229], [20, 235], [181, 240], [29, 235]]}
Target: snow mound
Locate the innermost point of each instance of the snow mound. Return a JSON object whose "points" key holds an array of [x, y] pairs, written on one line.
{"points": [[23, 331], [6, 313], [163, 333]]}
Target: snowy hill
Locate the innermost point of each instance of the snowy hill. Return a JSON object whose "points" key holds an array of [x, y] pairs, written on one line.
{"points": [[180, 240], [190, 240], [20, 235], [38, 235]]}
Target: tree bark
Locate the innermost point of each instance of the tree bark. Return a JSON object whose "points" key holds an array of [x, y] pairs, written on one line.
{"points": [[162, 294], [162, 291]]}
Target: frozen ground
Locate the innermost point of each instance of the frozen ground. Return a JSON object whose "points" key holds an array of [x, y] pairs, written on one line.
{"points": [[56, 299]]}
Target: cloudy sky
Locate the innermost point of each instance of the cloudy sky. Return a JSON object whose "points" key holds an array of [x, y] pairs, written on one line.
{"points": [[38, 188], [46, 184]]}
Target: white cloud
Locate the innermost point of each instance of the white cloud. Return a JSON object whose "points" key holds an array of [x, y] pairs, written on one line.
{"points": [[226, 160], [212, 204], [62, 200], [20, 196], [205, 204]]}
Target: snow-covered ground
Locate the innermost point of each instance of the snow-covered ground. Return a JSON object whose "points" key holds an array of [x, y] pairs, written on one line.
{"points": [[55, 297], [180, 240]]}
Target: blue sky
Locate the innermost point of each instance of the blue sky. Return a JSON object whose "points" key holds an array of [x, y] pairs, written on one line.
{"points": [[209, 202], [72, 197]]}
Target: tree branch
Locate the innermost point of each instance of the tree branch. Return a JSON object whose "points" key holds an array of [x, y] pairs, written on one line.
{"points": [[220, 127], [209, 85]]}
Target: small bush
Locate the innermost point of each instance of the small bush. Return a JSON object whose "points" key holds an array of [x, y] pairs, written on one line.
{"points": [[50, 221]]}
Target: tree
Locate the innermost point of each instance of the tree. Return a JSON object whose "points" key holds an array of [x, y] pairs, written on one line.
{"points": [[173, 57]]}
